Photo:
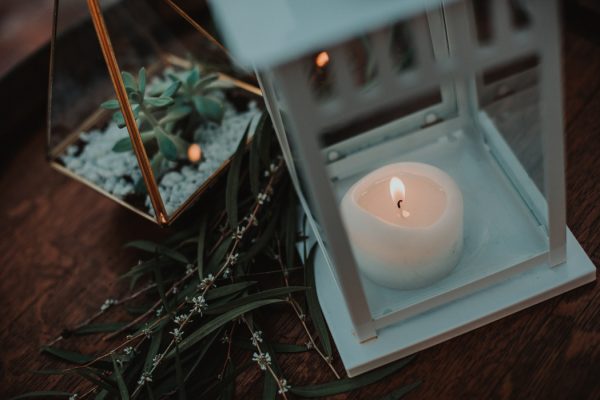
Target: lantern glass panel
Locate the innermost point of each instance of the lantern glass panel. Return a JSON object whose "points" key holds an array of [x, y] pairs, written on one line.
{"points": [[191, 106], [489, 144]]}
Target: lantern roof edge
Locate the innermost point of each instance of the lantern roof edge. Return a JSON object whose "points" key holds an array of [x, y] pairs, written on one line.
{"points": [[266, 33]]}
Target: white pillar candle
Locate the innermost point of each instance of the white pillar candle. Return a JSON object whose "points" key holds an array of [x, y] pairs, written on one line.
{"points": [[405, 224]]}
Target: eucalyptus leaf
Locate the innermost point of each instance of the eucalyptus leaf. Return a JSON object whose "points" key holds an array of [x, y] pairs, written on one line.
{"points": [[219, 321], [151, 247], [233, 179], [348, 384], [202, 224], [252, 298], [120, 382]]}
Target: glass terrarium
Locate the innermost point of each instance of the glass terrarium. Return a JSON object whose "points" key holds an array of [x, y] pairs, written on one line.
{"points": [[425, 142], [145, 106]]}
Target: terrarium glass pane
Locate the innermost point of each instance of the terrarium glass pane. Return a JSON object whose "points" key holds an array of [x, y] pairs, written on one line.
{"points": [[191, 105]]}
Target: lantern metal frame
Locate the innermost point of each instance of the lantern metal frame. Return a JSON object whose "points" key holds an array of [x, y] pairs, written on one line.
{"points": [[556, 262], [160, 213]]}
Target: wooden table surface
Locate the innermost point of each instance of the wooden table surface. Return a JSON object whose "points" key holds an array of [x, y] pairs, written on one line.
{"points": [[60, 256]]}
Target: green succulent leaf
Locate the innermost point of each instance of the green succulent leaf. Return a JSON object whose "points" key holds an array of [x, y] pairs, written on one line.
{"points": [[172, 89], [142, 80], [209, 108], [205, 81], [119, 119], [124, 144], [112, 104], [159, 102], [129, 82], [167, 146], [175, 114], [193, 77]]}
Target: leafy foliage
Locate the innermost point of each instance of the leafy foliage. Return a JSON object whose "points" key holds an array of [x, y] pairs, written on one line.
{"points": [[196, 299], [167, 118]]}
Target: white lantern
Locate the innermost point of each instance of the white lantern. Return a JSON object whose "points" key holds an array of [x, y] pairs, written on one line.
{"points": [[457, 108]]}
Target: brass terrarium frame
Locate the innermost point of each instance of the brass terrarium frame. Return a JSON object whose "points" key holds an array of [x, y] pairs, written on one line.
{"points": [[162, 217]]}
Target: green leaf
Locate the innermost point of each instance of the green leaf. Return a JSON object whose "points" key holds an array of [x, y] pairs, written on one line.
{"points": [[229, 389], [167, 146], [223, 291], [155, 248], [179, 375], [161, 289], [193, 76], [153, 349], [348, 384], [162, 101], [233, 181], [175, 114], [172, 89], [254, 157], [119, 119], [400, 392], [124, 144], [99, 328], [218, 256], [270, 387], [313, 303], [265, 294], [71, 356], [210, 326], [142, 80], [111, 105], [277, 347], [120, 382], [207, 346], [209, 108], [291, 231], [207, 80], [200, 245], [44, 395], [129, 81]]}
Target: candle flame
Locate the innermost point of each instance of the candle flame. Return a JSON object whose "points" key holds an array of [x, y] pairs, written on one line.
{"points": [[322, 59], [397, 190]]}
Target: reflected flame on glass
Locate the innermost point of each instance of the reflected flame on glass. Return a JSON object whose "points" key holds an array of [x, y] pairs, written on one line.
{"points": [[397, 191], [322, 59], [194, 153]]}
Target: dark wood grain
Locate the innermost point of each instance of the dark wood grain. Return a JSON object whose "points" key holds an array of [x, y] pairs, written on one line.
{"points": [[60, 256]]}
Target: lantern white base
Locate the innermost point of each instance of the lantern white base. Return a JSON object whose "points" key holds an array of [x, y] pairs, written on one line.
{"points": [[446, 321]]}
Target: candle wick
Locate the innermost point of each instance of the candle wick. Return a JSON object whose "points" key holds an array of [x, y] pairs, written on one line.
{"points": [[399, 203]]}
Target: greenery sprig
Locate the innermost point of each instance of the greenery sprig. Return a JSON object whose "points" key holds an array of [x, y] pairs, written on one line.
{"points": [[191, 320]]}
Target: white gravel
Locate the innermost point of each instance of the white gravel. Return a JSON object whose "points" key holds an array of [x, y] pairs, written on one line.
{"points": [[98, 164]]}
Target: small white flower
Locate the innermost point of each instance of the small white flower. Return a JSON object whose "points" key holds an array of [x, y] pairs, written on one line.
{"points": [[227, 273], [73, 396], [128, 350], [239, 233], [256, 338], [261, 198], [199, 304], [263, 360], [233, 258], [177, 334], [107, 304], [159, 311], [207, 282], [156, 360], [147, 332], [302, 317], [180, 319], [309, 345], [145, 377], [283, 386], [189, 269], [225, 339]]}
